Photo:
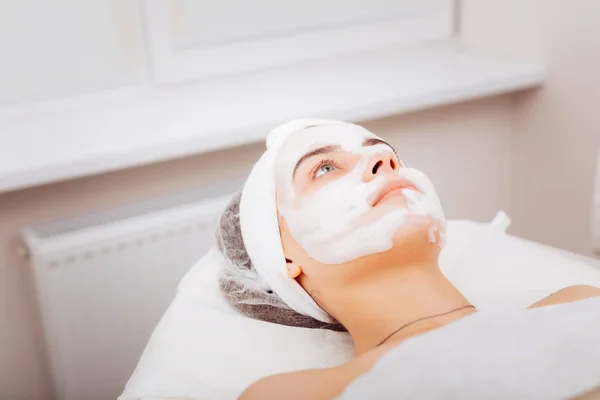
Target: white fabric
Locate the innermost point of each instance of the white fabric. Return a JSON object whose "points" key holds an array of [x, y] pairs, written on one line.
{"points": [[204, 349], [260, 223], [545, 353]]}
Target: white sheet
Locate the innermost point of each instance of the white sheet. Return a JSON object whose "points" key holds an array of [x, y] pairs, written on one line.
{"points": [[546, 353]]}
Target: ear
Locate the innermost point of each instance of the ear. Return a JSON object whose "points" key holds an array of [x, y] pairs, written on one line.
{"points": [[293, 269]]}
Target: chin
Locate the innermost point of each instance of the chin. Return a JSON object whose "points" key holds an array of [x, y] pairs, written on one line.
{"points": [[414, 235]]}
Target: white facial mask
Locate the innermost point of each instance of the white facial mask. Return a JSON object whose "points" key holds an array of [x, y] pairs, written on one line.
{"points": [[335, 223]]}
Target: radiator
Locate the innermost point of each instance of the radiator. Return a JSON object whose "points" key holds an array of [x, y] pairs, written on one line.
{"points": [[103, 281]]}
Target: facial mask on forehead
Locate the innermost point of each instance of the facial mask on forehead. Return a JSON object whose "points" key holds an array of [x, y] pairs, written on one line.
{"points": [[335, 223]]}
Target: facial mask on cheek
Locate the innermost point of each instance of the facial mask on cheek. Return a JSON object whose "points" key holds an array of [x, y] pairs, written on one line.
{"points": [[333, 226], [427, 201], [329, 212]]}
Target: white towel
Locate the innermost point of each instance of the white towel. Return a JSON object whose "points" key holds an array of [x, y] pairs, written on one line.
{"points": [[545, 353], [260, 223]]}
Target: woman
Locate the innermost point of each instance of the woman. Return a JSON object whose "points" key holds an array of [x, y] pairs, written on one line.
{"points": [[335, 232]]}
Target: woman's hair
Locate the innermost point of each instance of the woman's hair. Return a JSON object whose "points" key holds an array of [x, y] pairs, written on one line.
{"points": [[242, 285]]}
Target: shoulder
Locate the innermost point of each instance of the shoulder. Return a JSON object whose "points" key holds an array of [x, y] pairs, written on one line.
{"points": [[314, 384], [308, 384], [265, 388], [568, 294]]}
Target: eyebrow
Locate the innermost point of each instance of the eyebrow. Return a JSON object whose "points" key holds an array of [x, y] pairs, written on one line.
{"points": [[328, 149], [374, 141], [315, 152]]}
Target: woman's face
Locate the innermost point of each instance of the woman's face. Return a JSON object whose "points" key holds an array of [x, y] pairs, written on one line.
{"points": [[343, 194]]}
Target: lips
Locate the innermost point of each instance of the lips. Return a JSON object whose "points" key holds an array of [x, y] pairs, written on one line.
{"points": [[389, 188]]}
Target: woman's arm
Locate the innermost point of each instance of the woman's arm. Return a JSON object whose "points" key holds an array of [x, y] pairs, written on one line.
{"points": [[567, 295]]}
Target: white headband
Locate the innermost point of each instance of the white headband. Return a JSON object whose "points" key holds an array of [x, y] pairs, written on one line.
{"points": [[260, 223]]}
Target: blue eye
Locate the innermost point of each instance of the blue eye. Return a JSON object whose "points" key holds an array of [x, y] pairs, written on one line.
{"points": [[323, 169]]}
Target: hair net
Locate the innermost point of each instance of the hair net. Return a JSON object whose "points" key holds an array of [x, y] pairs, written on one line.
{"points": [[244, 288]]}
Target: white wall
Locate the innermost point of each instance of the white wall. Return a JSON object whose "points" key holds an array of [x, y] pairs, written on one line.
{"points": [[54, 49], [557, 129], [462, 147]]}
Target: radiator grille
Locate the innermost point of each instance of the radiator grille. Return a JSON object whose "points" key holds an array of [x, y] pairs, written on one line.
{"points": [[104, 279]]}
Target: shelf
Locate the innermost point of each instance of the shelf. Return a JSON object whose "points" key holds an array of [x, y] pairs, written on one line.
{"points": [[103, 132]]}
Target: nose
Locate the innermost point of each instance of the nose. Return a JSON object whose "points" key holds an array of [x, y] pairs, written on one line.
{"points": [[379, 164]]}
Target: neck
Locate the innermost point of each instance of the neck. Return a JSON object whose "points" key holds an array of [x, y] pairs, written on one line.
{"points": [[379, 305]]}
